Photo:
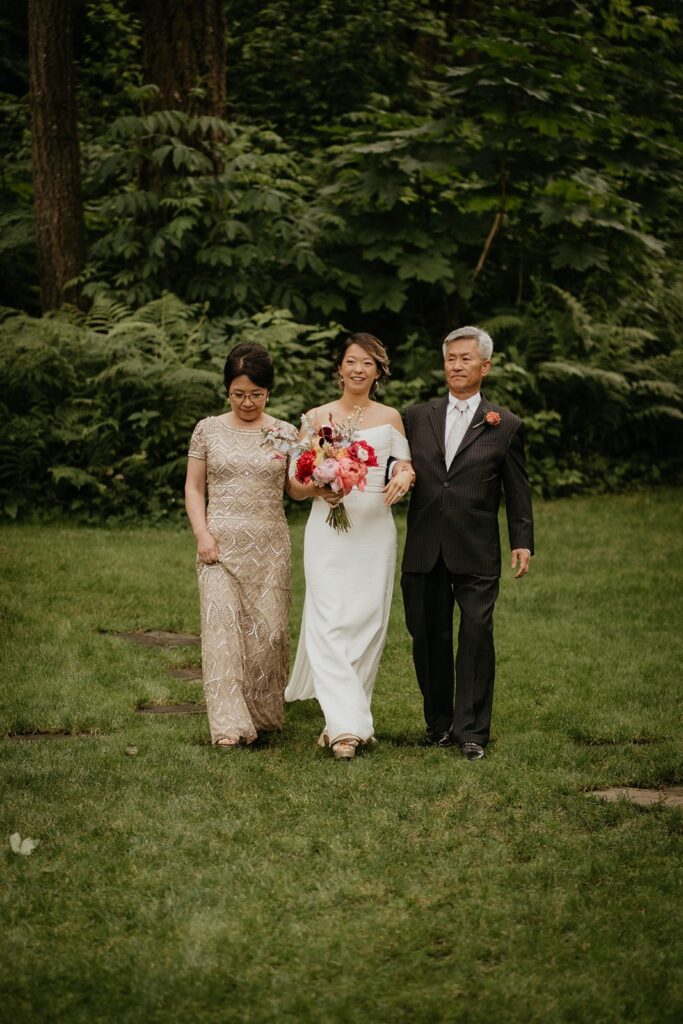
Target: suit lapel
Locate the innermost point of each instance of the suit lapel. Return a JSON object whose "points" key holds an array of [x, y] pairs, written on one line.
{"points": [[475, 429], [437, 419]]}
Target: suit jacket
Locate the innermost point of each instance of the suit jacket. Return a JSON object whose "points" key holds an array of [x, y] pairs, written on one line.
{"points": [[455, 511]]}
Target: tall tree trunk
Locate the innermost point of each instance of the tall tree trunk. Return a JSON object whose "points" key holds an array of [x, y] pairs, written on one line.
{"points": [[185, 54], [54, 149]]}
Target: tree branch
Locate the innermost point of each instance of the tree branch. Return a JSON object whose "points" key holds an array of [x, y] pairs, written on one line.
{"points": [[500, 213], [497, 221]]}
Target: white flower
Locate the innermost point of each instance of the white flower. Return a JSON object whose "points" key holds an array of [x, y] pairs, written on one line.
{"points": [[22, 846]]}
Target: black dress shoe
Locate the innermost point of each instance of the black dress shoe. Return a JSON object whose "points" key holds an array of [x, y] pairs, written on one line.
{"points": [[437, 739], [472, 751]]}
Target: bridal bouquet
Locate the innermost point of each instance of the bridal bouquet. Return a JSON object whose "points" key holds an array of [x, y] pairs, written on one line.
{"points": [[330, 456]]}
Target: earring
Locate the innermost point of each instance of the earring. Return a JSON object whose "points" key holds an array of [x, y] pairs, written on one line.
{"points": [[340, 382]]}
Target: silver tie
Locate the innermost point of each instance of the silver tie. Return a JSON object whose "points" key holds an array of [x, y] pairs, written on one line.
{"points": [[457, 431]]}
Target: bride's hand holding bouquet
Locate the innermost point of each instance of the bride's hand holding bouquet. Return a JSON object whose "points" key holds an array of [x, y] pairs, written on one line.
{"points": [[331, 458], [334, 458]]}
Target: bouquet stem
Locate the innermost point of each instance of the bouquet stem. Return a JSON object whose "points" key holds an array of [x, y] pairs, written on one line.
{"points": [[338, 518]]}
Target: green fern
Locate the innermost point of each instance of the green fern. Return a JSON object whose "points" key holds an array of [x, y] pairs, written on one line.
{"points": [[100, 406]]}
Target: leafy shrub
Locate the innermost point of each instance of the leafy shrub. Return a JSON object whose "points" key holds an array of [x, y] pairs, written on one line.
{"points": [[603, 406], [99, 407], [212, 211]]}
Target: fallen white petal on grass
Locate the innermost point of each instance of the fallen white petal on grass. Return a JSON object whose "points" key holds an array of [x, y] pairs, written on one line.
{"points": [[22, 846]]}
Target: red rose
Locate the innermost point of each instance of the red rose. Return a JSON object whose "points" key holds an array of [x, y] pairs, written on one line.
{"points": [[492, 418], [305, 465]]}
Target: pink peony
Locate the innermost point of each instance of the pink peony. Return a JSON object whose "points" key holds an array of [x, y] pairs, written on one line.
{"points": [[327, 472]]}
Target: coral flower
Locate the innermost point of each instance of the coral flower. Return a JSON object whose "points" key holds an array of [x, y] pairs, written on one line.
{"points": [[352, 474]]}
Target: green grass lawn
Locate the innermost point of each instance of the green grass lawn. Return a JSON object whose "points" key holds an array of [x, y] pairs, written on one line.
{"points": [[182, 884]]}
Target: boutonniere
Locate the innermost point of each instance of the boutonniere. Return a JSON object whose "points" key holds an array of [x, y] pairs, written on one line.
{"points": [[491, 419]]}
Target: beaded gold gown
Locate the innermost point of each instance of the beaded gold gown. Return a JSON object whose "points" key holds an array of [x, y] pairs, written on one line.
{"points": [[245, 596]]}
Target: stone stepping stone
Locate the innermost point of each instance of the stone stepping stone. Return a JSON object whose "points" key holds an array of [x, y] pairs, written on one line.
{"points": [[189, 672], [671, 796], [173, 709], [159, 638]]}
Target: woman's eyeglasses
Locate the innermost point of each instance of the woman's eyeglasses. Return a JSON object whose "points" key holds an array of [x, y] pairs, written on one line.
{"points": [[242, 396]]}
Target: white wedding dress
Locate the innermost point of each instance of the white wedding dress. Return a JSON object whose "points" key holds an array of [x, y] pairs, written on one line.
{"points": [[349, 585]]}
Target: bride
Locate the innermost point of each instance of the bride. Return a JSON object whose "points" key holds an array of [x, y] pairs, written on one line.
{"points": [[350, 576]]}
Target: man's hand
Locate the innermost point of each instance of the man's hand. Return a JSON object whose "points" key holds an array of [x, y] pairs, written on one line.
{"points": [[521, 557]]}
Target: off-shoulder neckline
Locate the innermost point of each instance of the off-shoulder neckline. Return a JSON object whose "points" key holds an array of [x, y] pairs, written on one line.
{"points": [[380, 426]]}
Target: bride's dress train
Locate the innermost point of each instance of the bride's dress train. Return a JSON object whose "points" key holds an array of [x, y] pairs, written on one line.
{"points": [[349, 586]]}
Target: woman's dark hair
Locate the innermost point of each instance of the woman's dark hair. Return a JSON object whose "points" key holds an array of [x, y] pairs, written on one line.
{"points": [[254, 362], [374, 348]]}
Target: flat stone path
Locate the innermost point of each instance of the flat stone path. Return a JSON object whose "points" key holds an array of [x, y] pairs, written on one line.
{"points": [[671, 796], [189, 673], [159, 638], [162, 638], [173, 709]]}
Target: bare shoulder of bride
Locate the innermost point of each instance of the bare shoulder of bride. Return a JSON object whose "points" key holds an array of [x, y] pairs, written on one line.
{"points": [[386, 416]]}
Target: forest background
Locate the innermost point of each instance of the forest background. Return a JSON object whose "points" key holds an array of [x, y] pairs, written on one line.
{"points": [[177, 178]]}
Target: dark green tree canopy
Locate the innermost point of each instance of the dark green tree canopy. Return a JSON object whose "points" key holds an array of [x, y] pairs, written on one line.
{"points": [[401, 167]]}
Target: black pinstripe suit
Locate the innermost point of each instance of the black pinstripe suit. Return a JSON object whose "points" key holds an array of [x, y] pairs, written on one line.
{"points": [[452, 555]]}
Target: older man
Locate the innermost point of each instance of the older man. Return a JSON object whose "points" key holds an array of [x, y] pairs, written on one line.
{"points": [[464, 449]]}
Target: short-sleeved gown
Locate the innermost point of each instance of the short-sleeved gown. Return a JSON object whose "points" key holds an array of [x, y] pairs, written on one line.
{"points": [[349, 586], [245, 596]]}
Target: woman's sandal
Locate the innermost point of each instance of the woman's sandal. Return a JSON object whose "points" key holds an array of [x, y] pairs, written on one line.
{"points": [[344, 750], [227, 743]]}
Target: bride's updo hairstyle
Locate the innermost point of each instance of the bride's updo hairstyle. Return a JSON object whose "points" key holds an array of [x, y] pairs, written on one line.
{"points": [[374, 348], [254, 362]]}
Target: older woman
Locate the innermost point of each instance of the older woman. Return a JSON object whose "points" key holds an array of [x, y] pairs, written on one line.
{"points": [[243, 555]]}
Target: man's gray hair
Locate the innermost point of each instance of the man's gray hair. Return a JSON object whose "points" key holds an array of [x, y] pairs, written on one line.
{"points": [[484, 341]]}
